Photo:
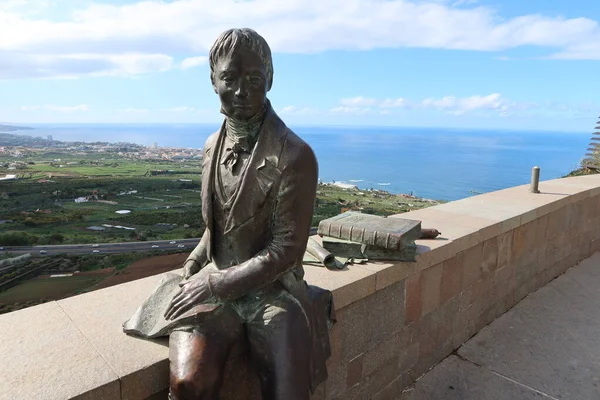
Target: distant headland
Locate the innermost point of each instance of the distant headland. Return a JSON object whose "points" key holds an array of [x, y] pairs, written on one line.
{"points": [[11, 128]]}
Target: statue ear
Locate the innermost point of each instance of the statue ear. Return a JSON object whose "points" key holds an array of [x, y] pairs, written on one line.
{"points": [[212, 81], [269, 84]]}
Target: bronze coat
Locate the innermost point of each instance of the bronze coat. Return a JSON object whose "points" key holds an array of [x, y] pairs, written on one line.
{"points": [[269, 225]]}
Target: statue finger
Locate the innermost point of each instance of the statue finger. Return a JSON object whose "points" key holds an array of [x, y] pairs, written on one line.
{"points": [[180, 310], [176, 303]]}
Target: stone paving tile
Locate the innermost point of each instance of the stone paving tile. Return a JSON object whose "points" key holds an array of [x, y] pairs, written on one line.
{"points": [[456, 379], [550, 340], [509, 347]]}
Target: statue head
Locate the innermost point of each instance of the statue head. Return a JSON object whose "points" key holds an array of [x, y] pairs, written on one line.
{"points": [[241, 72]]}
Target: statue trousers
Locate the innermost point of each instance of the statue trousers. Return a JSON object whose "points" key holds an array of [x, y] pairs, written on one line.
{"points": [[278, 336]]}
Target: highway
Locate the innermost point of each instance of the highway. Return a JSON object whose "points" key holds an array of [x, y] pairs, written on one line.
{"points": [[102, 248], [106, 248]]}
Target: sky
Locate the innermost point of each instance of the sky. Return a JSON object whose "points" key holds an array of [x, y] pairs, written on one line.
{"points": [[501, 64]]}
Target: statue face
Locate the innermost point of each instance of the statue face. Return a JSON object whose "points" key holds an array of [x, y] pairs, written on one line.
{"points": [[240, 80]]}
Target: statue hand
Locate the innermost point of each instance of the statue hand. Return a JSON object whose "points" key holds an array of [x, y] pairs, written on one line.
{"points": [[190, 268], [193, 292]]}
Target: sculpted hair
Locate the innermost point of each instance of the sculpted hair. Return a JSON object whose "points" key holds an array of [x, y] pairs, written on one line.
{"points": [[232, 39]]}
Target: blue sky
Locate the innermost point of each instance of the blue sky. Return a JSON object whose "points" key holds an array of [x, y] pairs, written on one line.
{"points": [[503, 64]]}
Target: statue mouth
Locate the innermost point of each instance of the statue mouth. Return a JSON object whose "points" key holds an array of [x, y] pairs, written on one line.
{"points": [[242, 106]]}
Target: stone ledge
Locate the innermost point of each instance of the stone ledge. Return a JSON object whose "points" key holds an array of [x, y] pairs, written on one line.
{"points": [[75, 347], [45, 355]]}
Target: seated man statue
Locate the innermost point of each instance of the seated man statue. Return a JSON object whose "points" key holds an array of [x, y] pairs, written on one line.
{"points": [[245, 280]]}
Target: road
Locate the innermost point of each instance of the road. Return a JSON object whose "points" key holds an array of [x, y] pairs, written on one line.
{"points": [[102, 248], [106, 248]]}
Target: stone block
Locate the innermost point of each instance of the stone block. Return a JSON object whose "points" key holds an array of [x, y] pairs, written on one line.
{"points": [[357, 392], [510, 224], [452, 275], [382, 377], [46, 356], [541, 232], [385, 313], [552, 225], [465, 298], [395, 390], [472, 261], [353, 324], [482, 290], [387, 274], [142, 365], [462, 328], [489, 256], [348, 285], [414, 305], [595, 246], [335, 342], [408, 359], [524, 269], [427, 343], [335, 385], [431, 288], [354, 371], [390, 348], [575, 215], [444, 320], [523, 239], [504, 280]]}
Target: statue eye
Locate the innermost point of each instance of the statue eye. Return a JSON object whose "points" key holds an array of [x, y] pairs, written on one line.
{"points": [[255, 80], [227, 79]]}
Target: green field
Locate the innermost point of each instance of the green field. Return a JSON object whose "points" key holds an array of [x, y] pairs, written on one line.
{"points": [[41, 208]]}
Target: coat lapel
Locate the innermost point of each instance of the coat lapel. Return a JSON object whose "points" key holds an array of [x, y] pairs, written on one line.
{"points": [[262, 172], [208, 169]]}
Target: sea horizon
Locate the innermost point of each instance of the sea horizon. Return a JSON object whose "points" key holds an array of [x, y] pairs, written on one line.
{"points": [[435, 163]]}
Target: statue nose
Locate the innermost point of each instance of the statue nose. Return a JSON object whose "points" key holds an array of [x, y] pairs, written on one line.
{"points": [[241, 90]]}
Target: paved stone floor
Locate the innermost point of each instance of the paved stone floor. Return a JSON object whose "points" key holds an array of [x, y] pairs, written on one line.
{"points": [[546, 347]]}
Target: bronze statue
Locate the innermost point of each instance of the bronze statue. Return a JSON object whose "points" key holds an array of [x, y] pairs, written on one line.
{"points": [[244, 280]]}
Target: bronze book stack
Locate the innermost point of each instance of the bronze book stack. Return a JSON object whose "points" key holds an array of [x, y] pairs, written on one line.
{"points": [[357, 235]]}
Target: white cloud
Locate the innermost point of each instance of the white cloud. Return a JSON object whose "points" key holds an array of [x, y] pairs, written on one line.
{"points": [[456, 105], [74, 65], [350, 110], [449, 104], [360, 101], [67, 109], [294, 110], [90, 37], [394, 103], [132, 110], [179, 109], [29, 108], [491, 104], [357, 102], [193, 62]]}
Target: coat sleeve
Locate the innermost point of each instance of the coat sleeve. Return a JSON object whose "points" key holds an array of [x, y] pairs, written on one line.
{"points": [[199, 254], [290, 229]]}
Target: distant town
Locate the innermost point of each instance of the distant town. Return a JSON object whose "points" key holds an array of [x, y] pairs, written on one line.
{"points": [[21, 146]]}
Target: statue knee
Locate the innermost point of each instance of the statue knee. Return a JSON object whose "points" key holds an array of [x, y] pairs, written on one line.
{"points": [[190, 387]]}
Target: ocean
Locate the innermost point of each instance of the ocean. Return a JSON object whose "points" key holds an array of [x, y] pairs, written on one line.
{"points": [[446, 164]]}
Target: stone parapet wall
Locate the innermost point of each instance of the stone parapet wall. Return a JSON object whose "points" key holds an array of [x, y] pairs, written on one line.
{"points": [[395, 320]]}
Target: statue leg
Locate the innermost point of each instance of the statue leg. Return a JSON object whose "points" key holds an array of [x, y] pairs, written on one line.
{"points": [[197, 358], [280, 344]]}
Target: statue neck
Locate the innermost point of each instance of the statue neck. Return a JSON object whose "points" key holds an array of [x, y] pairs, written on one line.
{"points": [[246, 128]]}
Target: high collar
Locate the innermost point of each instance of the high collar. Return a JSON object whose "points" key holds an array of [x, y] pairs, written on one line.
{"points": [[245, 130]]}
